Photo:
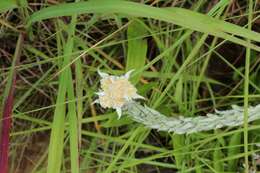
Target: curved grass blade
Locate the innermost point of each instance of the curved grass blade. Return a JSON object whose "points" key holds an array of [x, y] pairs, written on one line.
{"points": [[137, 48], [7, 5], [183, 17]]}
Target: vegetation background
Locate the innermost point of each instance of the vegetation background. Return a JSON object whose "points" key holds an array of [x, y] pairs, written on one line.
{"points": [[190, 56]]}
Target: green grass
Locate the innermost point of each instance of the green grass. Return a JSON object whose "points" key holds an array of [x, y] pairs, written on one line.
{"points": [[190, 57], [7, 5]]}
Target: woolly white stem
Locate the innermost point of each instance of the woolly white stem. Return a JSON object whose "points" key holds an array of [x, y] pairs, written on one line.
{"points": [[155, 120]]}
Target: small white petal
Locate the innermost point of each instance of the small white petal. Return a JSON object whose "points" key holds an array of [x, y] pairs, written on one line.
{"points": [[95, 101], [102, 74], [119, 112], [100, 93], [128, 74], [137, 96]]}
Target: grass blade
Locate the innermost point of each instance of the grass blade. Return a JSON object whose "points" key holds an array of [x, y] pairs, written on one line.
{"points": [[7, 5], [179, 16], [7, 108], [217, 155], [57, 131], [235, 141], [137, 48], [246, 89]]}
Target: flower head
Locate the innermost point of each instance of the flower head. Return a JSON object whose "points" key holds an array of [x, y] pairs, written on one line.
{"points": [[116, 91]]}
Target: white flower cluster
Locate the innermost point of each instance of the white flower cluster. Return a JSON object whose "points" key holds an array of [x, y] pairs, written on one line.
{"points": [[116, 91]]}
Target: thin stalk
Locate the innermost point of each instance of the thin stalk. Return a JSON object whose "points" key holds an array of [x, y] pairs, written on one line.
{"points": [[7, 109], [246, 90]]}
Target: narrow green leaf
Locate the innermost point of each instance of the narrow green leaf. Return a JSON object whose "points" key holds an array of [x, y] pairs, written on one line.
{"points": [[137, 48], [178, 143], [233, 150], [218, 155], [57, 133], [73, 129], [7, 5], [72, 111]]}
